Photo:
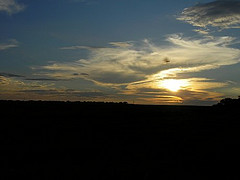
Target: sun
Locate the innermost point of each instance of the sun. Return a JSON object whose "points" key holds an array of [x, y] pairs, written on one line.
{"points": [[173, 84]]}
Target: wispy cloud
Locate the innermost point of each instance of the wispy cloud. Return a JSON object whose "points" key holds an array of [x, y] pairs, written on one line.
{"points": [[11, 6], [11, 88], [12, 43], [202, 31], [9, 85], [192, 89], [42, 79], [222, 14], [121, 44], [129, 68], [137, 62], [81, 47], [22, 77], [64, 92], [10, 75]]}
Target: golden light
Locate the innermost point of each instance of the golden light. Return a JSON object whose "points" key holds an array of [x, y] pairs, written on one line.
{"points": [[174, 84]]}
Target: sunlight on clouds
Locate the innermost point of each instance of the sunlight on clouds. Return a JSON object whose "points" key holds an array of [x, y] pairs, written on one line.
{"points": [[121, 44], [221, 14], [162, 100], [12, 43], [184, 89], [142, 60], [198, 84], [9, 85], [202, 31], [129, 68], [11, 88], [173, 72], [173, 84]]}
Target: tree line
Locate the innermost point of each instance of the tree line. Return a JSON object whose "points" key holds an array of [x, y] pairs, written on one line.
{"points": [[229, 102]]}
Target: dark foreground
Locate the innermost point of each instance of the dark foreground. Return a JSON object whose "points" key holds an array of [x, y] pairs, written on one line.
{"points": [[53, 140]]}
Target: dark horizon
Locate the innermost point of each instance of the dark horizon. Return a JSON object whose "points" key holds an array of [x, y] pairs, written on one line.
{"points": [[100, 102], [57, 140]]}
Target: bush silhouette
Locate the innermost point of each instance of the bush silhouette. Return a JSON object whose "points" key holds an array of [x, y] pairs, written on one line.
{"points": [[229, 102]]}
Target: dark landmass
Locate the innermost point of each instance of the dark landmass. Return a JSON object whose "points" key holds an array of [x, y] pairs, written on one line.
{"points": [[74, 140], [229, 102]]}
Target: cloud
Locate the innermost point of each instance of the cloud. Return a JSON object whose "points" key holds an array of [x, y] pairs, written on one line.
{"points": [[222, 14], [11, 6], [10, 75], [202, 31], [9, 85], [43, 79], [12, 43], [114, 44], [140, 61], [81, 47], [199, 97], [92, 94], [11, 88], [196, 91], [121, 44], [64, 92], [82, 74], [144, 65]]}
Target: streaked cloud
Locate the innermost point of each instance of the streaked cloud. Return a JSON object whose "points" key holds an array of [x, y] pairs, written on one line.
{"points": [[81, 47], [192, 89], [121, 44], [9, 85], [64, 92], [222, 14], [22, 77], [4, 74], [119, 65], [11, 6], [130, 68], [202, 31], [12, 43], [11, 88], [42, 79]]}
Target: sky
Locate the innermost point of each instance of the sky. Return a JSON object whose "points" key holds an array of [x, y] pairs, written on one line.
{"points": [[184, 52]]}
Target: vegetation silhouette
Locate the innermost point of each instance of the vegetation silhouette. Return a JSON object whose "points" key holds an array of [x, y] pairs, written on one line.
{"points": [[92, 140], [229, 102]]}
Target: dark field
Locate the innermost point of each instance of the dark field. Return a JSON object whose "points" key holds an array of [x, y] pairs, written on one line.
{"points": [[54, 140]]}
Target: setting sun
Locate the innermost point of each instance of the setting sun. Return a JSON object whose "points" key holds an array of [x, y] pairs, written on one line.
{"points": [[173, 84]]}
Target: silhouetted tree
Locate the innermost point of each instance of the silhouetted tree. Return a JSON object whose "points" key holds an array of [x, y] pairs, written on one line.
{"points": [[229, 102]]}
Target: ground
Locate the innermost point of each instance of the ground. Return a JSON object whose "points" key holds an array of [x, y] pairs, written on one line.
{"points": [[64, 140]]}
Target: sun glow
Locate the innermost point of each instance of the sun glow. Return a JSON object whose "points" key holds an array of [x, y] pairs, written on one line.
{"points": [[174, 84]]}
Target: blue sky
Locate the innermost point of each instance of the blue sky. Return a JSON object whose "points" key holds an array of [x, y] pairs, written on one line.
{"points": [[146, 51]]}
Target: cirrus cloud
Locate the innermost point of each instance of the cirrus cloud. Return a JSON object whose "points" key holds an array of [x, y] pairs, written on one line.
{"points": [[11, 6], [128, 69], [16, 89], [12, 43], [126, 64], [221, 14]]}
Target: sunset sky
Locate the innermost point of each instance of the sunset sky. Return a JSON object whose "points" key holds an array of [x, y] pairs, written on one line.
{"points": [[142, 51]]}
